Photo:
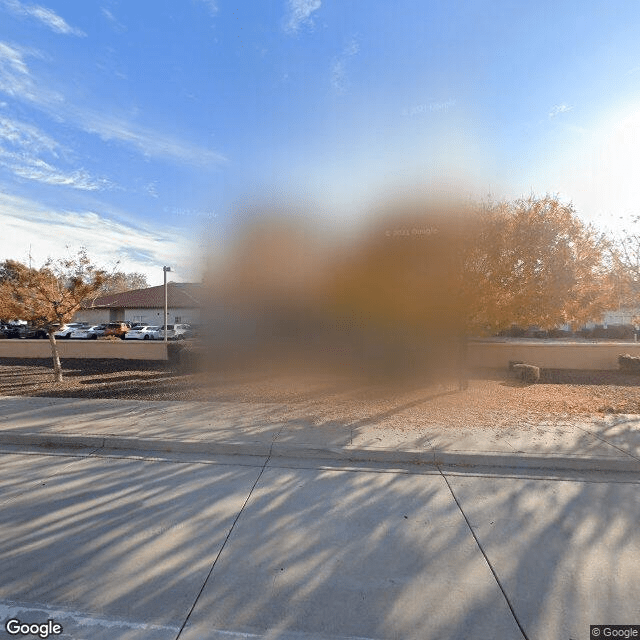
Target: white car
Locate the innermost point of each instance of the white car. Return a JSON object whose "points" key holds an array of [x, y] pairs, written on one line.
{"points": [[146, 332], [66, 330], [175, 332], [88, 333]]}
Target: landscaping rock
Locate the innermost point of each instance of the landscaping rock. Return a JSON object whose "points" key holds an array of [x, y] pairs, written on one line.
{"points": [[527, 372]]}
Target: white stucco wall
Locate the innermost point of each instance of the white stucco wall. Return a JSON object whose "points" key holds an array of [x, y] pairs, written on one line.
{"points": [[156, 316], [149, 316]]}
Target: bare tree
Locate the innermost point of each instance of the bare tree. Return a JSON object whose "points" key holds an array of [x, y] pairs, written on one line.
{"points": [[120, 281], [625, 256], [48, 297]]}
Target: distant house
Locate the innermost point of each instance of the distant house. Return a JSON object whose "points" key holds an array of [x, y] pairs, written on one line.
{"points": [[614, 317], [145, 305], [622, 316]]}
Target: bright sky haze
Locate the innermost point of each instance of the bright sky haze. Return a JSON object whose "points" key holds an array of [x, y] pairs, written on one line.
{"points": [[132, 127]]}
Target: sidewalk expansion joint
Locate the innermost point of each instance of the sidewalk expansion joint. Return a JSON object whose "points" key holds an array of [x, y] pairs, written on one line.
{"points": [[224, 544], [599, 437], [486, 557]]}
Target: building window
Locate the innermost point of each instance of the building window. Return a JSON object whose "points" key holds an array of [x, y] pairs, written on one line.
{"points": [[178, 319]]}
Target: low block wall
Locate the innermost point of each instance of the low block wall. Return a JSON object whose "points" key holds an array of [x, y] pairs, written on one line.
{"points": [[550, 355], [125, 349], [492, 354]]}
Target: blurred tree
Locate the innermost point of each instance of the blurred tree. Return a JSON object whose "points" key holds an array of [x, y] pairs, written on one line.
{"points": [[423, 275], [49, 296], [442, 271], [396, 294]]}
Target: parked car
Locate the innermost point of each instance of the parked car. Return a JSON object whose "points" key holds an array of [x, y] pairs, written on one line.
{"points": [[15, 330], [66, 330], [99, 329], [144, 332], [88, 333], [175, 332], [118, 329], [32, 332]]}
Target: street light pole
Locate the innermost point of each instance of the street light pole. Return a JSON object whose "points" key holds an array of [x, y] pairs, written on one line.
{"points": [[165, 269]]}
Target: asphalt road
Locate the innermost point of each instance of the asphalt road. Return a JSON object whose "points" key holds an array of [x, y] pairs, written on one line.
{"points": [[127, 545]]}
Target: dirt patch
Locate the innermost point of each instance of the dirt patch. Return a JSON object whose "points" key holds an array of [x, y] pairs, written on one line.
{"points": [[493, 397]]}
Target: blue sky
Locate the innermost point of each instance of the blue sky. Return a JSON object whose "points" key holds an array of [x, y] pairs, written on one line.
{"points": [[132, 127]]}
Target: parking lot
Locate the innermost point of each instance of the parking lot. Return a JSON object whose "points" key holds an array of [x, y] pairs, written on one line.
{"points": [[108, 330]]}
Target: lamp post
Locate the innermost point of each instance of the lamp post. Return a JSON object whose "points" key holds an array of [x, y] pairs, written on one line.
{"points": [[165, 269]]}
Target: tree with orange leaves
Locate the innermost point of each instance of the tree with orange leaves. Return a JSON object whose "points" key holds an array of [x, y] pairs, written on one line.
{"points": [[534, 262], [48, 297]]}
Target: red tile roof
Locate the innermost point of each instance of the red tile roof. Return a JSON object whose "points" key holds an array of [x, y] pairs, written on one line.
{"points": [[180, 295]]}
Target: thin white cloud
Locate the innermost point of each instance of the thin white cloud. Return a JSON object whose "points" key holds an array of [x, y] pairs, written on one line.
{"points": [[41, 171], [13, 59], [299, 14], [14, 73], [150, 143], [558, 109], [17, 81], [21, 149], [45, 16], [26, 136], [117, 25], [48, 230], [107, 14], [352, 48], [338, 70], [152, 189], [211, 5], [339, 80], [430, 107]]}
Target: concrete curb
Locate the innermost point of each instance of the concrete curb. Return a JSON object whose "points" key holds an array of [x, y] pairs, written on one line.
{"points": [[432, 457]]}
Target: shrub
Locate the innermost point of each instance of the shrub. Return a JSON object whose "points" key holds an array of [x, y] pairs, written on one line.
{"points": [[628, 363], [559, 333], [621, 331], [514, 331]]}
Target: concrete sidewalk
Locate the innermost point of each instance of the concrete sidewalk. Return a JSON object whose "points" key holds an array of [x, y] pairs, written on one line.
{"points": [[213, 428]]}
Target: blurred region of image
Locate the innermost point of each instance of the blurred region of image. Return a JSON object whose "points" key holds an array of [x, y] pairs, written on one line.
{"points": [[382, 303]]}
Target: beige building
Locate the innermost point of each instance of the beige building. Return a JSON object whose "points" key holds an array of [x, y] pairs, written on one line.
{"points": [[145, 305]]}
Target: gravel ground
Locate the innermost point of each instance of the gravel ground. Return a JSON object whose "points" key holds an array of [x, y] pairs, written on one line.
{"points": [[492, 399]]}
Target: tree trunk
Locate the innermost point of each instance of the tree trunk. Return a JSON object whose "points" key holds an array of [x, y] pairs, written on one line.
{"points": [[57, 368]]}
